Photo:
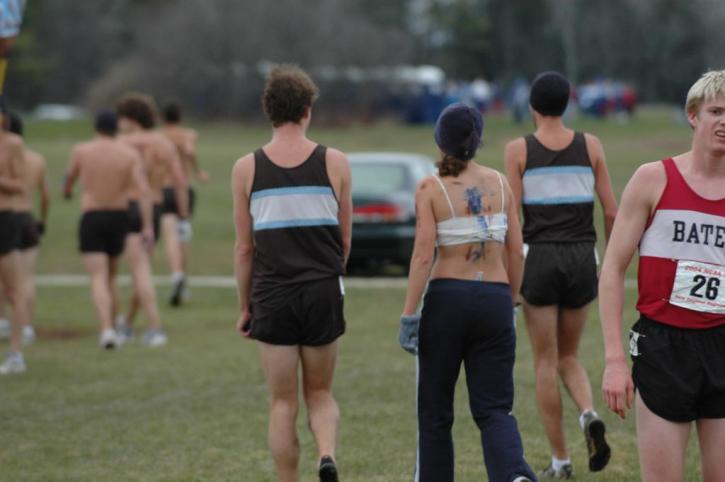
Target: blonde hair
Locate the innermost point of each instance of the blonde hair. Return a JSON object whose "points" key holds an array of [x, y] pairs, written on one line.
{"points": [[709, 86]]}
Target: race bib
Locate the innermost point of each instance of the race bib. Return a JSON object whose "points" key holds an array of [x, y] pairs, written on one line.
{"points": [[699, 287]]}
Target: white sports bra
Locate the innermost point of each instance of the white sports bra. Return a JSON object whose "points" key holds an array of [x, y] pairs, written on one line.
{"points": [[472, 229]]}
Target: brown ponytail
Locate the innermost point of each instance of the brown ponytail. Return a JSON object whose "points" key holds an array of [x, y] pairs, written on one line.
{"points": [[451, 166]]}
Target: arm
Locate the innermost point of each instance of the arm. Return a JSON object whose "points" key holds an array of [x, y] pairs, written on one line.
{"points": [[602, 183], [424, 247], [145, 198], [242, 175], [514, 246], [339, 169], [190, 152], [179, 181], [515, 160], [44, 192], [637, 203], [74, 169]]}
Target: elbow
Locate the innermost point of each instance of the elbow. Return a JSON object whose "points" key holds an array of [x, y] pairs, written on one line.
{"points": [[243, 251], [610, 214], [421, 260]]}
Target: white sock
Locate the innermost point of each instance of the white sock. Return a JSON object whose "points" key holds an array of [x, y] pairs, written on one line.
{"points": [[557, 464], [583, 414], [177, 276]]}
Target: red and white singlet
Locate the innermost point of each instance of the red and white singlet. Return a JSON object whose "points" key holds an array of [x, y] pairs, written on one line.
{"points": [[681, 275]]}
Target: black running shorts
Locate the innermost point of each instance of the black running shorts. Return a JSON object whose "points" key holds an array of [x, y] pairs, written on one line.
{"points": [[136, 222], [313, 316], [103, 232], [29, 235], [168, 205], [9, 232], [679, 373], [563, 274]]}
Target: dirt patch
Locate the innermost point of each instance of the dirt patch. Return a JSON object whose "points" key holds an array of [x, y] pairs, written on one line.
{"points": [[61, 333]]}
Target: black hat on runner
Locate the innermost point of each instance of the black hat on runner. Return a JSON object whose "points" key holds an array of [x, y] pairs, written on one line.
{"points": [[550, 94], [458, 131]]}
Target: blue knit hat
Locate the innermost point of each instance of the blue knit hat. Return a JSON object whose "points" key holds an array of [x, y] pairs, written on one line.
{"points": [[458, 131]]}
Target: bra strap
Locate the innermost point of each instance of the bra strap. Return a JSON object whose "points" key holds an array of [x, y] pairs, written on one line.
{"points": [[450, 204], [503, 194]]}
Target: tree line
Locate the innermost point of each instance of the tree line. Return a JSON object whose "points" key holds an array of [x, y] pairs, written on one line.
{"points": [[207, 53]]}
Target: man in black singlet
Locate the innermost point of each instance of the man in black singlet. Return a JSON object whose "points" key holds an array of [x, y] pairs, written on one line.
{"points": [[293, 219], [554, 173]]}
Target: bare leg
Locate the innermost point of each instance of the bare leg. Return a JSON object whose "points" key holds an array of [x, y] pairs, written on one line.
{"points": [[27, 265], [711, 433], [143, 286], [10, 279], [541, 322], [97, 266], [172, 245], [662, 445], [280, 364], [318, 367], [576, 381]]}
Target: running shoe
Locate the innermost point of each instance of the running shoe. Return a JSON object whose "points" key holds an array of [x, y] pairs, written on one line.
{"points": [[154, 337], [123, 330], [28, 335], [14, 363], [4, 329], [177, 290], [565, 472], [108, 339], [328, 469], [599, 451]]}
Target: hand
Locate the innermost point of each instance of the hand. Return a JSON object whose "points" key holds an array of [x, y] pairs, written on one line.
{"points": [[617, 387], [183, 229], [147, 238], [244, 324], [202, 176], [40, 227], [408, 335], [67, 194]]}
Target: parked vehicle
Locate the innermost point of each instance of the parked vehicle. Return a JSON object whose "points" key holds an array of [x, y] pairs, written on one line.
{"points": [[383, 197]]}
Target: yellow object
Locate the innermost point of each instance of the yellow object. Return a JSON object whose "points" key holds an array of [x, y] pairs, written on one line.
{"points": [[3, 69]]}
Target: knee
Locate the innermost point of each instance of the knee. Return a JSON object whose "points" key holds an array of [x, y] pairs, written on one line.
{"points": [[286, 407], [567, 363], [436, 422]]}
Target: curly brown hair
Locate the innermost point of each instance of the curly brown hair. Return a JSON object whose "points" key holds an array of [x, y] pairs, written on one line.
{"points": [[138, 107], [288, 91]]}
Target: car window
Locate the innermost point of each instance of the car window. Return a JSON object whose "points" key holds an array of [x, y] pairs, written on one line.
{"points": [[377, 178]]}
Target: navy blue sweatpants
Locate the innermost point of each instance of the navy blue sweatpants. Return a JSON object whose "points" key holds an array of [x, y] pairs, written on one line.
{"points": [[469, 322]]}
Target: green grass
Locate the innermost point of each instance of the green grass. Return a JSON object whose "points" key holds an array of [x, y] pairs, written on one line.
{"points": [[196, 410]]}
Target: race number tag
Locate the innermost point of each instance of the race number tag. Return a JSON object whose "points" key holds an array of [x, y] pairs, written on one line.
{"points": [[699, 287]]}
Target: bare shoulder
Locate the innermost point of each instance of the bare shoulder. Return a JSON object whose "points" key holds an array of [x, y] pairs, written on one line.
{"points": [[243, 167], [36, 158], [594, 146], [516, 148], [647, 183], [336, 157], [426, 187]]}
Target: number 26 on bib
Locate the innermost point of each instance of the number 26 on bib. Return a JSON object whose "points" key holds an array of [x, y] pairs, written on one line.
{"points": [[699, 287]]}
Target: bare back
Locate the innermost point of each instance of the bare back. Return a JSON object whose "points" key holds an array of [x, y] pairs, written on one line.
{"points": [[158, 154], [11, 167], [106, 170], [477, 191], [34, 175], [185, 141]]}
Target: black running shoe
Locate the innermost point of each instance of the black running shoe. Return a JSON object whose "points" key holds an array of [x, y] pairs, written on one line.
{"points": [[177, 291], [599, 451], [328, 469]]}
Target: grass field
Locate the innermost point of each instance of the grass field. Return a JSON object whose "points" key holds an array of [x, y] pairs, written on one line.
{"points": [[196, 410]]}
